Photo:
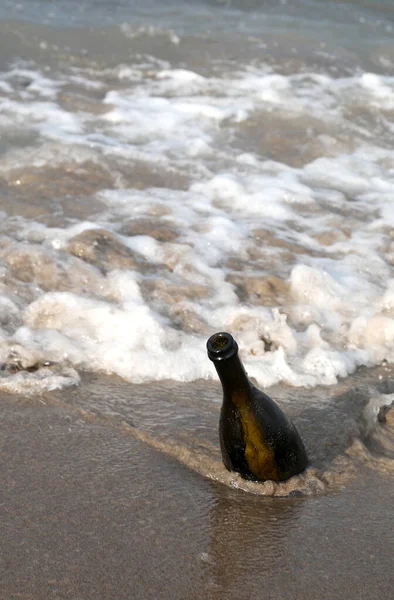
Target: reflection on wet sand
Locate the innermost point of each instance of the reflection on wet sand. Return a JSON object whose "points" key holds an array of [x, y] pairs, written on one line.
{"points": [[248, 540]]}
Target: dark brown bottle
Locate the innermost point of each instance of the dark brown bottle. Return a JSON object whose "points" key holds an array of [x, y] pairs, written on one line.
{"points": [[256, 438]]}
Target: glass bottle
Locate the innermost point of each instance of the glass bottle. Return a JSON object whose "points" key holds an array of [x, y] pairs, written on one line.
{"points": [[256, 438]]}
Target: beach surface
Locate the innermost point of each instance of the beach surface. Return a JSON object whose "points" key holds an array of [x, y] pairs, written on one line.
{"points": [[169, 170], [88, 510]]}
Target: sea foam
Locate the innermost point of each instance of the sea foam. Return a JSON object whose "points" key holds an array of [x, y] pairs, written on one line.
{"points": [[206, 219]]}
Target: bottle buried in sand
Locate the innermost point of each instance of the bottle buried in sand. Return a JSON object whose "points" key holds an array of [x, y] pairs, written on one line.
{"points": [[256, 438]]}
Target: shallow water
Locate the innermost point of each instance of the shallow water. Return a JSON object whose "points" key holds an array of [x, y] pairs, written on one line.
{"points": [[88, 510], [345, 433]]}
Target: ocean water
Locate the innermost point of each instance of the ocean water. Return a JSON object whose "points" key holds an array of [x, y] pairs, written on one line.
{"points": [[168, 170]]}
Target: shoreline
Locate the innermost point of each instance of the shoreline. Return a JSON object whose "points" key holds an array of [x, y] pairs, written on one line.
{"points": [[89, 511]]}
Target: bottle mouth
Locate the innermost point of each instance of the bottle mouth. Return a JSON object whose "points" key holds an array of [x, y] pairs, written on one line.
{"points": [[221, 346]]}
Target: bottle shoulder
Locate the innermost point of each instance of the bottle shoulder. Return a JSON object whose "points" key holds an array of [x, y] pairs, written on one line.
{"points": [[262, 402]]}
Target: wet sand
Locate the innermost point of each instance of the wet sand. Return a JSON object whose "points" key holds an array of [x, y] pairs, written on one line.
{"points": [[89, 511]]}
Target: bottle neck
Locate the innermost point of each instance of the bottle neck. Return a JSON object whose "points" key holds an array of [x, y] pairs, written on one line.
{"points": [[232, 375]]}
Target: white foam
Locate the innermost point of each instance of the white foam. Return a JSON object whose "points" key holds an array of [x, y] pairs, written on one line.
{"points": [[127, 340], [317, 288], [22, 354], [181, 81], [37, 383], [388, 297], [381, 90], [147, 246], [254, 196], [326, 366], [327, 222], [5, 87], [35, 84], [46, 117], [166, 125], [135, 32]]}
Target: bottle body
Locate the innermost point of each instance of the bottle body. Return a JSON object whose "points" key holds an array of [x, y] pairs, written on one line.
{"points": [[256, 438]]}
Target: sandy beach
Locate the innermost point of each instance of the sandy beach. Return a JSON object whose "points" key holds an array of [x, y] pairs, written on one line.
{"points": [[169, 170], [89, 511]]}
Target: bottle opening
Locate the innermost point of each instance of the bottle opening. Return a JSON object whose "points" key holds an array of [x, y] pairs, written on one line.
{"points": [[221, 346]]}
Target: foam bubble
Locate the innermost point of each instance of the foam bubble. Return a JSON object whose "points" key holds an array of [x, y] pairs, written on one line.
{"points": [[127, 340], [34, 82], [34, 373], [382, 94], [316, 288], [46, 117], [252, 197], [388, 297], [40, 382], [147, 246]]}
